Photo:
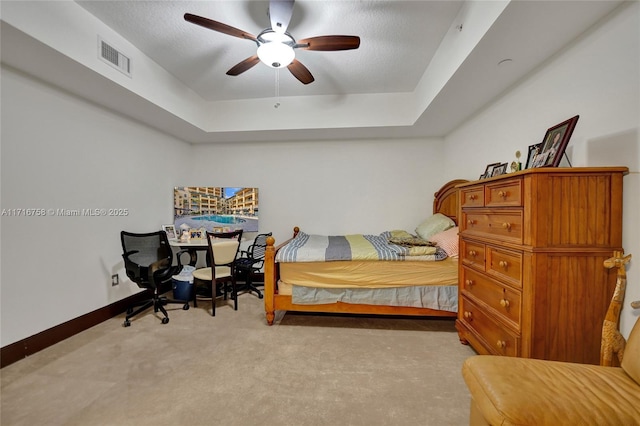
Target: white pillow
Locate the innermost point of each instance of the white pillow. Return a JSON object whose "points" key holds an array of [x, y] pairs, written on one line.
{"points": [[434, 225]]}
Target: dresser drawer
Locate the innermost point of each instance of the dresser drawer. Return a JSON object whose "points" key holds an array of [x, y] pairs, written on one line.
{"points": [[472, 254], [504, 225], [504, 264], [472, 197], [504, 300], [504, 194], [495, 337]]}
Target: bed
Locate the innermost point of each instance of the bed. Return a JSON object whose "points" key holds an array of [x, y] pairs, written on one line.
{"points": [[373, 279]]}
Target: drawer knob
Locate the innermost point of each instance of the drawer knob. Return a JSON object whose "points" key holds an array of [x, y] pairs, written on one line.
{"points": [[472, 253], [501, 344], [503, 264], [468, 315], [473, 197], [503, 194], [469, 283], [471, 221], [506, 225], [504, 303]]}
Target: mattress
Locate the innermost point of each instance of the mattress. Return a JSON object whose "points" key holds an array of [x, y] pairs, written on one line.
{"points": [[418, 284], [441, 297]]}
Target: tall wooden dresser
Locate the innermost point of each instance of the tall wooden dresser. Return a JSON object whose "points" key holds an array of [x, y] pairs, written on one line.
{"points": [[532, 245]]}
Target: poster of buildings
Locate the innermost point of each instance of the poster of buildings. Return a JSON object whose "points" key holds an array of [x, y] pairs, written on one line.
{"points": [[216, 209]]}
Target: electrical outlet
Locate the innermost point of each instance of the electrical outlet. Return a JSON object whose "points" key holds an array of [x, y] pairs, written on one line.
{"points": [[115, 279]]}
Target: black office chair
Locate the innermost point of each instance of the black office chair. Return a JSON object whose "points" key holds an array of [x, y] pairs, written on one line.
{"points": [[251, 261], [148, 262]]}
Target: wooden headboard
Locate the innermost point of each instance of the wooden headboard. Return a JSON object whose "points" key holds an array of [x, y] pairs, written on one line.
{"points": [[446, 199]]}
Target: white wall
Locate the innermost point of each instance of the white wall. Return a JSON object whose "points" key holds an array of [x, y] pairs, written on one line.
{"points": [[330, 187], [596, 77], [60, 152]]}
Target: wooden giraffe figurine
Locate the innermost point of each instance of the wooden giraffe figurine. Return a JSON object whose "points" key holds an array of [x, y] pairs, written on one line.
{"points": [[612, 341]]}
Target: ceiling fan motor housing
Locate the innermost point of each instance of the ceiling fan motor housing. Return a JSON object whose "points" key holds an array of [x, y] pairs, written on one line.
{"points": [[275, 49]]}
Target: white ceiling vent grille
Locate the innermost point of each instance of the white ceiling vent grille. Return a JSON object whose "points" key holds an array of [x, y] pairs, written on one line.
{"points": [[113, 57]]}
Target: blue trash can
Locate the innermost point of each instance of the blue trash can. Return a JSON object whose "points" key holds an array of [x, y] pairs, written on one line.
{"points": [[183, 286]]}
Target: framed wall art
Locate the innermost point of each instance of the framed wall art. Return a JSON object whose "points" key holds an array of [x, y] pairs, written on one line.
{"points": [[214, 207]]}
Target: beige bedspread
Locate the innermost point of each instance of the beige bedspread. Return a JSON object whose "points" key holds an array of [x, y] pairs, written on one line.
{"points": [[369, 274]]}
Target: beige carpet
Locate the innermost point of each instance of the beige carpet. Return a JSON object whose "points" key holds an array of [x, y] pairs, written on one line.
{"points": [[233, 369]]}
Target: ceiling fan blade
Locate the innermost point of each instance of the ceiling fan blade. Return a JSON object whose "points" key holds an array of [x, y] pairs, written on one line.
{"points": [[280, 12], [300, 72], [331, 42], [218, 26], [244, 65]]}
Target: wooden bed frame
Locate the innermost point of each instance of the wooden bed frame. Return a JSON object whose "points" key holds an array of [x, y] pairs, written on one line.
{"points": [[445, 202]]}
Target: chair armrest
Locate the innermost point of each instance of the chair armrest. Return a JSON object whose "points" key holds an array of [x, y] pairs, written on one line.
{"points": [[132, 268], [157, 266], [129, 253]]}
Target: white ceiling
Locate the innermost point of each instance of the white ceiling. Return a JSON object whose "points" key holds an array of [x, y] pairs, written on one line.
{"points": [[398, 42], [399, 34]]}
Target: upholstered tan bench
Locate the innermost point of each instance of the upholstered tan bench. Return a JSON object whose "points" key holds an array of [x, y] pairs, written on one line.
{"points": [[519, 391]]}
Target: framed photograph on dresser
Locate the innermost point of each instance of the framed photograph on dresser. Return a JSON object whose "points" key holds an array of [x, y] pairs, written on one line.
{"points": [[500, 169], [533, 151], [488, 172], [555, 143]]}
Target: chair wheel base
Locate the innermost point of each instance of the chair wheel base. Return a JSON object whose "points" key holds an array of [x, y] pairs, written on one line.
{"points": [[165, 320], [186, 307], [127, 323]]}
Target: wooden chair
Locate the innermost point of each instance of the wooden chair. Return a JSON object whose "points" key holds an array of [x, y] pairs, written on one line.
{"points": [[222, 252]]}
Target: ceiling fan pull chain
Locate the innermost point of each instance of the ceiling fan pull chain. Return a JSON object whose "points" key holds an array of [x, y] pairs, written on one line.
{"points": [[277, 104]]}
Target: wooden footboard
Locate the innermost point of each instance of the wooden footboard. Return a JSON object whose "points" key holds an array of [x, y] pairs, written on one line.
{"points": [[271, 275]]}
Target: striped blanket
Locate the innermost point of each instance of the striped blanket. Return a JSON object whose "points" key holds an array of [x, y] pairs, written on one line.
{"points": [[323, 248]]}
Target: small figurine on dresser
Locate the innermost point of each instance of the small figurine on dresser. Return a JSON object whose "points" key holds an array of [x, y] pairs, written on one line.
{"points": [[516, 165]]}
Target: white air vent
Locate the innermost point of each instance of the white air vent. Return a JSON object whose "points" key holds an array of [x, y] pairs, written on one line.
{"points": [[113, 57]]}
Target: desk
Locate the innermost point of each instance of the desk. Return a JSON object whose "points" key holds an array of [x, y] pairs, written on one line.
{"points": [[192, 246]]}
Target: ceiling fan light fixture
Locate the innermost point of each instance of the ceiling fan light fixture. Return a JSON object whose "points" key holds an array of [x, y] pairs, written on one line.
{"points": [[275, 45], [276, 54]]}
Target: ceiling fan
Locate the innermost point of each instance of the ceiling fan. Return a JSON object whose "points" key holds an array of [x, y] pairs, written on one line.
{"points": [[275, 45]]}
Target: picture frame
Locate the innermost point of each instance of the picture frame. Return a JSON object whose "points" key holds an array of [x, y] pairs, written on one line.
{"points": [[533, 151], [488, 172], [500, 169], [170, 230], [196, 234], [555, 143]]}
